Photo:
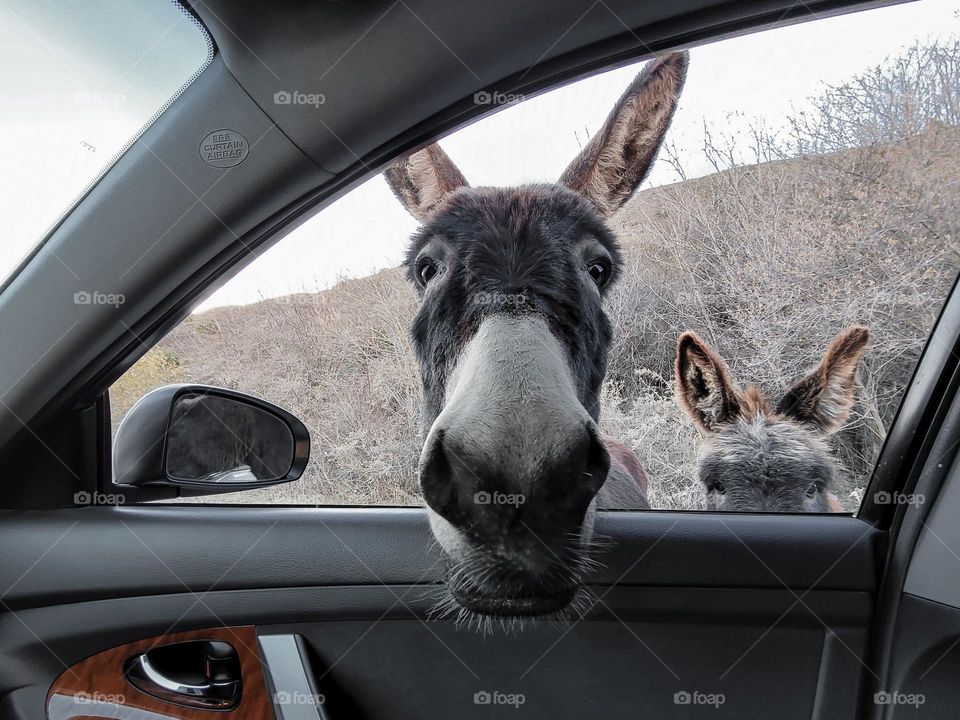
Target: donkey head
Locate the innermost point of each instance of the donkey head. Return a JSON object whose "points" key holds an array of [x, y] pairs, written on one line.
{"points": [[512, 344], [761, 457]]}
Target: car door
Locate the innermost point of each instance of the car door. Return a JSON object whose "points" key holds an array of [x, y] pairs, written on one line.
{"points": [[114, 605]]}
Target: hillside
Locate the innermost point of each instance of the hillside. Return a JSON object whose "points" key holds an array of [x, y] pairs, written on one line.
{"points": [[767, 262]]}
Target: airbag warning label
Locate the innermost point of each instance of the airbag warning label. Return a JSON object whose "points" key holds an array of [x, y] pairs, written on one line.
{"points": [[224, 148]]}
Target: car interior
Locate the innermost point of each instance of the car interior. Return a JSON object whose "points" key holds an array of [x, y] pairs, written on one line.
{"points": [[161, 608]]}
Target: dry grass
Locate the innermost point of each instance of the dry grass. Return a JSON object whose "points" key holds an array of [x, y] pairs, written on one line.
{"points": [[767, 262], [339, 360]]}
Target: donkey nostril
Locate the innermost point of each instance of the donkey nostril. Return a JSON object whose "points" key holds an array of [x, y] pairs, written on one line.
{"points": [[436, 480], [574, 479], [462, 484], [598, 462]]}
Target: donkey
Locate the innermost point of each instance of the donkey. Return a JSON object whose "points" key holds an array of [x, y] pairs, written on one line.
{"points": [[763, 457], [512, 340]]}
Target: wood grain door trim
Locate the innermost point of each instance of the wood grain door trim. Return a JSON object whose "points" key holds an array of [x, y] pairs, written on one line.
{"points": [[97, 688]]}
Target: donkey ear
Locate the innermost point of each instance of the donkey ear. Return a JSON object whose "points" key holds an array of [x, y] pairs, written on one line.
{"points": [[825, 396], [704, 387], [423, 180], [617, 158]]}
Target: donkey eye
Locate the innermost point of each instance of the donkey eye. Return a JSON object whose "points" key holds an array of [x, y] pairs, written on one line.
{"points": [[814, 489], [427, 269], [717, 487], [599, 272]]}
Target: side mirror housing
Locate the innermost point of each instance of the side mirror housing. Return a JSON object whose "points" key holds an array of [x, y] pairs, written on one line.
{"points": [[207, 440]]}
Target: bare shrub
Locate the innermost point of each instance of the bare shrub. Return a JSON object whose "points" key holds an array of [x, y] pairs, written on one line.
{"points": [[341, 361], [850, 219], [892, 101], [158, 367], [770, 261]]}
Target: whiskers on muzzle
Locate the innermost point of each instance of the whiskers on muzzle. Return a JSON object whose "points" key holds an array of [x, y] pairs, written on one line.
{"points": [[485, 592]]}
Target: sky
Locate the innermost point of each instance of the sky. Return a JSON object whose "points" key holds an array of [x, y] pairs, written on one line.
{"points": [[78, 80], [64, 91]]}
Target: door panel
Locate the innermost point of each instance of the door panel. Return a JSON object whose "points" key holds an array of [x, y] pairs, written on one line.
{"points": [[701, 604], [926, 662], [55, 556]]}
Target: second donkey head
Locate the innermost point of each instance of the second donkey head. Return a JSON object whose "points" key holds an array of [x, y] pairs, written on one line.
{"points": [[761, 455]]}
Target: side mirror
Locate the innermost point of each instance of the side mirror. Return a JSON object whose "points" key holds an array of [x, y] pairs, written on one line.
{"points": [[206, 440]]}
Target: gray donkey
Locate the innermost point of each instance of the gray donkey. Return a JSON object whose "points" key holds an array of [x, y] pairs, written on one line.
{"points": [[763, 457], [512, 341]]}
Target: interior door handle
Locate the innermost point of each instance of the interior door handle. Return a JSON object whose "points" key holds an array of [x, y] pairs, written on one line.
{"points": [[201, 674]]}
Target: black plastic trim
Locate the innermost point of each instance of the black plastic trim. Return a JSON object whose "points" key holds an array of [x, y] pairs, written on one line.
{"points": [[907, 524]]}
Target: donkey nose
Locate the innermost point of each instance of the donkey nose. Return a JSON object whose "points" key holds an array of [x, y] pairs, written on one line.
{"points": [[462, 483]]}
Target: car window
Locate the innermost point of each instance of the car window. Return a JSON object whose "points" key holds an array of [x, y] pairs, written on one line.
{"points": [[778, 273], [80, 82]]}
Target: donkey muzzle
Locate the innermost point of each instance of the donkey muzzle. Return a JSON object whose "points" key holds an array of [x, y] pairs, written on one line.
{"points": [[510, 468]]}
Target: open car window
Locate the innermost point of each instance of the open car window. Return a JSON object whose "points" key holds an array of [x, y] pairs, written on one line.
{"points": [[778, 274]]}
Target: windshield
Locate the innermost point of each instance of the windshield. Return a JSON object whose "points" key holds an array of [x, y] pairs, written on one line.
{"points": [[79, 82]]}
